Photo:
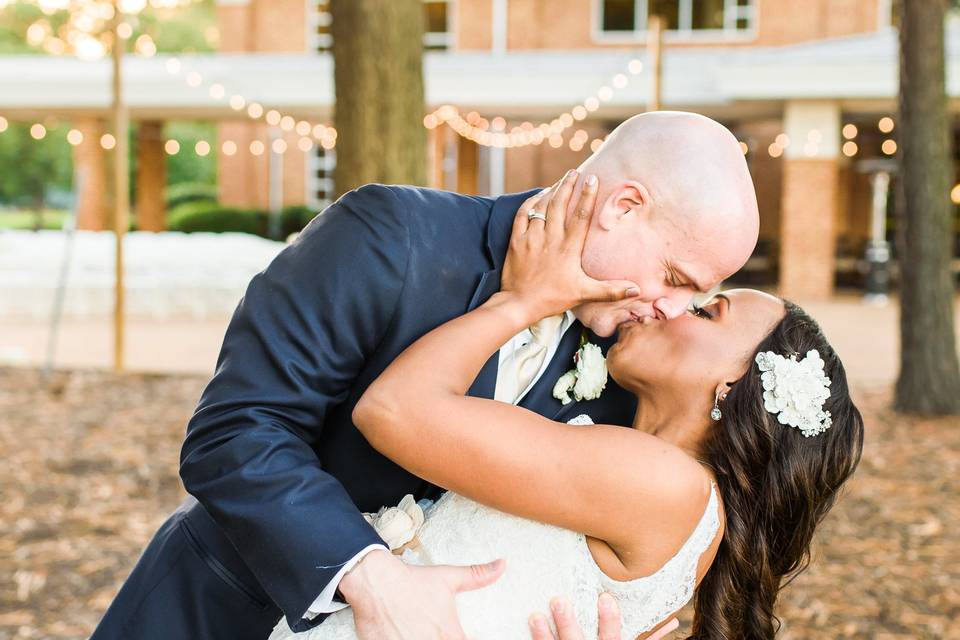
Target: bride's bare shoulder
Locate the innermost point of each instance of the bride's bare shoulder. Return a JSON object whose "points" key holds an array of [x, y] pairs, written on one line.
{"points": [[664, 495]]}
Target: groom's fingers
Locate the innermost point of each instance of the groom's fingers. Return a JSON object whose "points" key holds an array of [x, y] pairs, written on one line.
{"points": [[665, 630], [609, 617], [540, 628], [563, 618], [471, 577]]}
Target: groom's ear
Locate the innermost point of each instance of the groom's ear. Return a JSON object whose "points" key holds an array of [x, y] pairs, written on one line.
{"points": [[629, 198]]}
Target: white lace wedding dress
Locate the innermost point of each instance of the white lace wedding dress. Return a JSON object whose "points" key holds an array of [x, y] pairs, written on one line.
{"points": [[543, 561]]}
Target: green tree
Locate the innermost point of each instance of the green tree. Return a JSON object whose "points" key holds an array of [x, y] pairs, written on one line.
{"points": [[175, 30], [929, 379], [378, 75], [30, 168], [187, 166]]}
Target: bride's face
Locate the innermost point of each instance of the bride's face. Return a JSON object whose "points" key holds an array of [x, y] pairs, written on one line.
{"points": [[698, 350]]}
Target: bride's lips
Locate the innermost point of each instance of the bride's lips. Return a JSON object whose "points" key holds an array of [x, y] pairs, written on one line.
{"points": [[634, 320]]}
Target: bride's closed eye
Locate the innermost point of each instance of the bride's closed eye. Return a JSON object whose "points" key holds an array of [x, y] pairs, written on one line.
{"points": [[700, 312]]}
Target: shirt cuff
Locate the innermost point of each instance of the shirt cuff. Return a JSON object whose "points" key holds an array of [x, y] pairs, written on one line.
{"points": [[324, 602]]}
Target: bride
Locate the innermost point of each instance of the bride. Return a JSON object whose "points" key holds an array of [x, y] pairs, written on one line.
{"points": [[744, 434]]}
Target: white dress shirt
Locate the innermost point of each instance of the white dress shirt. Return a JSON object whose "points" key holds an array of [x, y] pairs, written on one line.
{"points": [[324, 602]]}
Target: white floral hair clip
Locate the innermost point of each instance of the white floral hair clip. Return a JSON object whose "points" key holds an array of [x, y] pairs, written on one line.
{"points": [[796, 390]]}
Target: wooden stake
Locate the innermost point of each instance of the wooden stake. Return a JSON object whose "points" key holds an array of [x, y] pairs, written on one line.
{"points": [[121, 187], [654, 51]]}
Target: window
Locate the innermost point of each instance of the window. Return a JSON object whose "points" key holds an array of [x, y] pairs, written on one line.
{"points": [[319, 18], [320, 177], [438, 34], [686, 17]]}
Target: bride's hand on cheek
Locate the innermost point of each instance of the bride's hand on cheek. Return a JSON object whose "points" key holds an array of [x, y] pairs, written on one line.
{"points": [[543, 263]]}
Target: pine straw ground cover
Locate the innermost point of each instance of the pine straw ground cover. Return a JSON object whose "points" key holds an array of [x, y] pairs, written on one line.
{"points": [[90, 470]]}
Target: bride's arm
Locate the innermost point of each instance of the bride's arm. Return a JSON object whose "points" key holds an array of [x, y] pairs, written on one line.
{"points": [[585, 478]]}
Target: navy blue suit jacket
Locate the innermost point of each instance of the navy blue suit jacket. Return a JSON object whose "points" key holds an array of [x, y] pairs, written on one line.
{"points": [[271, 453]]}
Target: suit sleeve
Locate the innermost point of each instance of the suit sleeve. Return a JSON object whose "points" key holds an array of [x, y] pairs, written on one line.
{"points": [[292, 350]]}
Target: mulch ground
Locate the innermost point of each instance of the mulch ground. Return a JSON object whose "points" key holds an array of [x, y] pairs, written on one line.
{"points": [[90, 470]]}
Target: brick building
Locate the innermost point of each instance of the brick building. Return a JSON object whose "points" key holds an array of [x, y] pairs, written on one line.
{"points": [[809, 87]]}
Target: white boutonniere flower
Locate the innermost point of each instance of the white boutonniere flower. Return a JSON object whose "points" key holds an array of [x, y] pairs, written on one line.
{"points": [[588, 380], [398, 525]]}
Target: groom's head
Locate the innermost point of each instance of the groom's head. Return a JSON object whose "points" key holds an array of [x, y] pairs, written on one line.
{"points": [[676, 213]]}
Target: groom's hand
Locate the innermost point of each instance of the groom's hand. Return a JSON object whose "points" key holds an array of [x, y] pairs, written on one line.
{"points": [[608, 615], [392, 600]]}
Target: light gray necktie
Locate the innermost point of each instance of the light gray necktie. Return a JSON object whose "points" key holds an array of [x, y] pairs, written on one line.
{"points": [[520, 368]]}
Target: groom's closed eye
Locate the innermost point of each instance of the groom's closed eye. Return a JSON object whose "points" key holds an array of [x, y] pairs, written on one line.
{"points": [[678, 278]]}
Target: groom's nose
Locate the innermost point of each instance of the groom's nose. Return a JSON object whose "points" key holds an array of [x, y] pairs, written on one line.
{"points": [[671, 307]]}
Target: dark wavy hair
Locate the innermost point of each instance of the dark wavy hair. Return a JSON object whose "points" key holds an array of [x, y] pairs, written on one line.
{"points": [[776, 485]]}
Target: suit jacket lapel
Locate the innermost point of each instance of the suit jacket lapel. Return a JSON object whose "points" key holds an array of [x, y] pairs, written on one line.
{"points": [[540, 397], [502, 212]]}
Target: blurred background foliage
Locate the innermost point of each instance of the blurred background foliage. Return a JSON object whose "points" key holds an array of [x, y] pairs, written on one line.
{"points": [[36, 175]]}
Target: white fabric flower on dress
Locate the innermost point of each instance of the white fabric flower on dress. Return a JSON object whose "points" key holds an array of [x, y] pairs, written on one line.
{"points": [[588, 380], [397, 525], [795, 391]]}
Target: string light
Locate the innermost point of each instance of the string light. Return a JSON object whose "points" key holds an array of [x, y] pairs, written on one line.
{"points": [[172, 147], [107, 141], [889, 147], [326, 135], [229, 147], [955, 194], [850, 131], [475, 128], [886, 124], [202, 148], [782, 140], [775, 150], [38, 131], [75, 137], [850, 148], [3, 124]]}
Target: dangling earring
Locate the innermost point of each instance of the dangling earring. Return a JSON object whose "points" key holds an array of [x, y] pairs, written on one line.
{"points": [[715, 413]]}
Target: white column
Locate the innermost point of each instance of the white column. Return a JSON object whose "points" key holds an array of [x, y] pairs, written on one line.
{"points": [[498, 25], [497, 170], [809, 200], [813, 128]]}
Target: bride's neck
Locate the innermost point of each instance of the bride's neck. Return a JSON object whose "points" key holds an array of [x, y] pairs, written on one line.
{"points": [[678, 421]]}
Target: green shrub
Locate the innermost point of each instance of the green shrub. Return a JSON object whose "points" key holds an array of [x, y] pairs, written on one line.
{"points": [[202, 215], [295, 217], [210, 216], [183, 192]]}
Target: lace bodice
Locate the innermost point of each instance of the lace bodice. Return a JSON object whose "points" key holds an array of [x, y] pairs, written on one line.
{"points": [[543, 561]]}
